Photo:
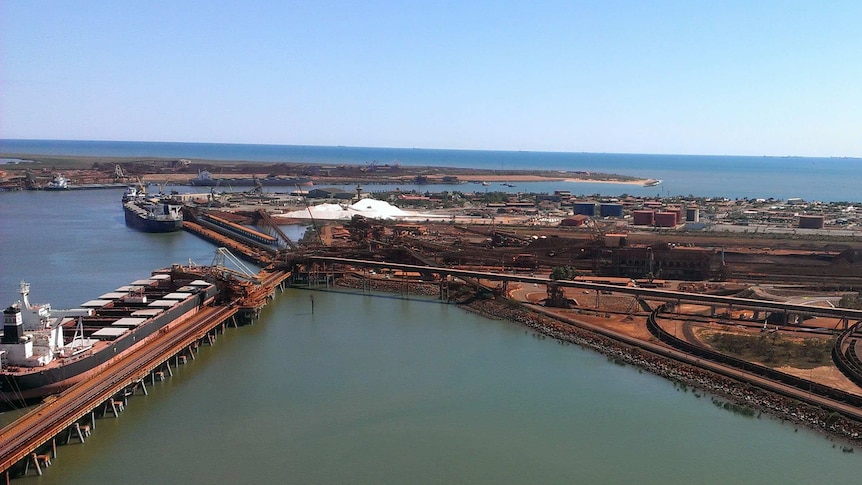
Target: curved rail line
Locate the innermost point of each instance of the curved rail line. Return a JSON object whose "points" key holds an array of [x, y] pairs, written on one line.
{"points": [[845, 354], [765, 377]]}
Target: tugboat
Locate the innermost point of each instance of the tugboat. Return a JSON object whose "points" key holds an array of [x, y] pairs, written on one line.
{"points": [[151, 214]]}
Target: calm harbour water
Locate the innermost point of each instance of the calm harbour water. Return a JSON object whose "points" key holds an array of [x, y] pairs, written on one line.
{"points": [[379, 389], [823, 179]]}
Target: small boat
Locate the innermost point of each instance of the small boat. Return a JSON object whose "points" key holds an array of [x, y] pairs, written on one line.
{"points": [[652, 183], [59, 182]]}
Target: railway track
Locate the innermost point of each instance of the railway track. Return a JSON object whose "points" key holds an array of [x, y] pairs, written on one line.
{"points": [[766, 378]]}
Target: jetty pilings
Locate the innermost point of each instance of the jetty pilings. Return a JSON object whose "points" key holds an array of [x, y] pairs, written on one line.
{"points": [[73, 412]]}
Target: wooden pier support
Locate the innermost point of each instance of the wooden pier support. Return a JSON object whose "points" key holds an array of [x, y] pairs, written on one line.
{"points": [[39, 461], [35, 458], [116, 407], [81, 432]]}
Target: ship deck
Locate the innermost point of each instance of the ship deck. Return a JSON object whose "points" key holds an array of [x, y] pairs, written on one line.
{"points": [[136, 309]]}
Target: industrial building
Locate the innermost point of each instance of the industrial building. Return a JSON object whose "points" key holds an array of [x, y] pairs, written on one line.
{"points": [[666, 219], [584, 208], [611, 210], [810, 222]]}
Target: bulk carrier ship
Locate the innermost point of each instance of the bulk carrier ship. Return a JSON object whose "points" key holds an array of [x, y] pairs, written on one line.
{"points": [[151, 214], [206, 179], [44, 351]]}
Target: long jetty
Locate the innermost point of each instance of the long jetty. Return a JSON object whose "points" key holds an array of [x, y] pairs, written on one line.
{"points": [[64, 413], [72, 413]]}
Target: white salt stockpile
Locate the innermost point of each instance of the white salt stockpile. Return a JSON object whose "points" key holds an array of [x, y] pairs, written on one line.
{"points": [[322, 212], [370, 208], [378, 209]]}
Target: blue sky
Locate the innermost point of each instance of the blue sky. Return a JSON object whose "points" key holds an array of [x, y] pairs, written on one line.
{"points": [[689, 77]]}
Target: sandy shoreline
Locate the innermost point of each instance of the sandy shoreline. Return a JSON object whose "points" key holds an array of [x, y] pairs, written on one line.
{"points": [[322, 181], [544, 178], [66, 163], [640, 182]]}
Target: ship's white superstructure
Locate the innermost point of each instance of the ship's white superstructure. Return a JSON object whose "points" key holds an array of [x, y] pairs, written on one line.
{"points": [[33, 334]]}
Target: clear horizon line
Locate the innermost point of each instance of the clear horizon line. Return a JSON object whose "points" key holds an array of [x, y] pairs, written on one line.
{"points": [[428, 148]]}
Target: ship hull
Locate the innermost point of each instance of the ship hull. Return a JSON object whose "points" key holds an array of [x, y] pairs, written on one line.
{"points": [[41, 382], [248, 182], [144, 224]]}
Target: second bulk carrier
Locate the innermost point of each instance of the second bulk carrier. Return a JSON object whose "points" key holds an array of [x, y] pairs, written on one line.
{"points": [[151, 214]]}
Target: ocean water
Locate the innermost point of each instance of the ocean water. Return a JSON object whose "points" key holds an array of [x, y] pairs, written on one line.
{"points": [[380, 389], [822, 179]]}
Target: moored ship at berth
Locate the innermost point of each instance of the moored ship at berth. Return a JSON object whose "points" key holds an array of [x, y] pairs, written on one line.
{"points": [[43, 351], [151, 214], [206, 179], [59, 182]]}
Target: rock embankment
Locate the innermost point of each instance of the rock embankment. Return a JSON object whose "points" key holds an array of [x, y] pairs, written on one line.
{"points": [[389, 286], [745, 399]]}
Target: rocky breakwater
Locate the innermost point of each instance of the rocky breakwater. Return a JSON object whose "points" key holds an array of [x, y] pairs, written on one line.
{"points": [[389, 285], [738, 397]]}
